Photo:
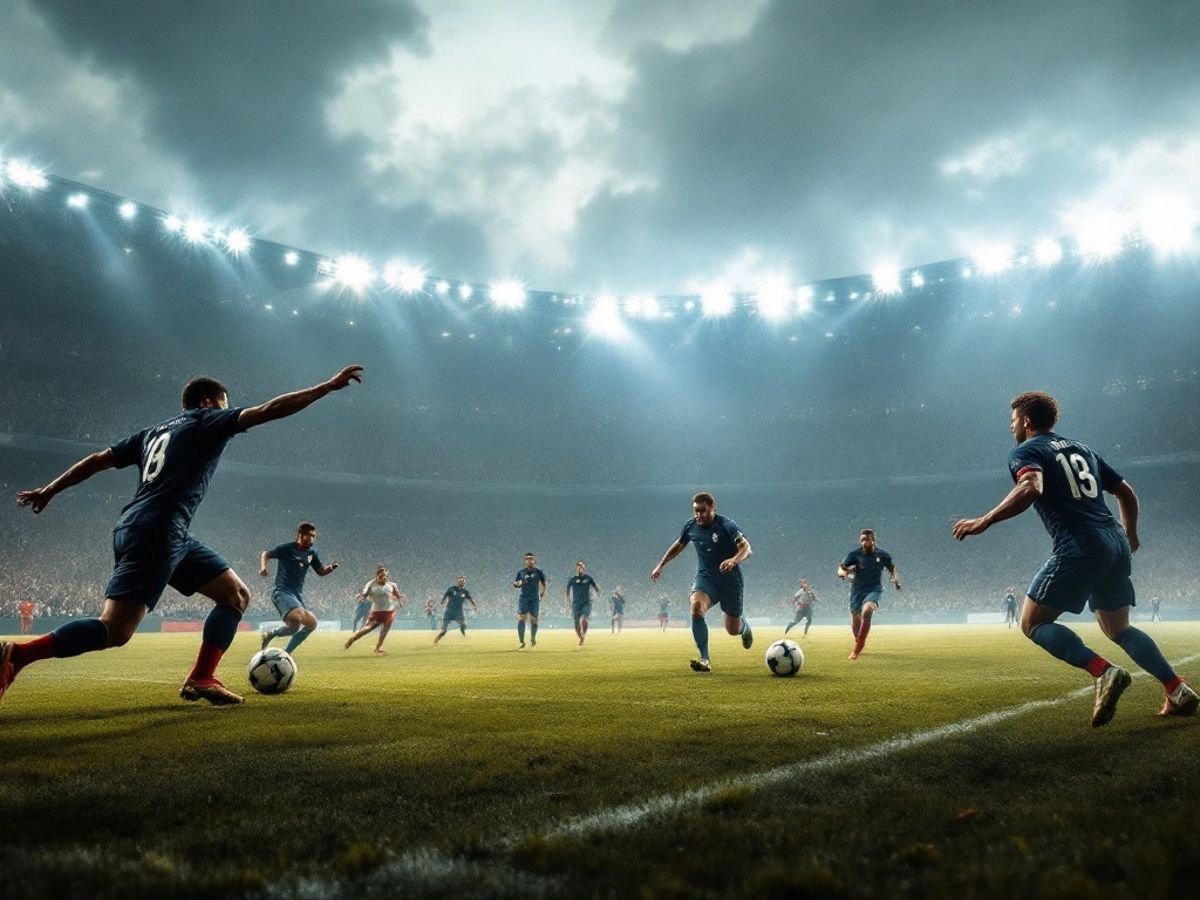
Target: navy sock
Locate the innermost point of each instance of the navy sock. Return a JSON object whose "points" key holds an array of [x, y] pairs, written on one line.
{"points": [[297, 639], [700, 633], [521, 631], [533, 631], [1062, 642], [1143, 651], [463, 629], [221, 626], [81, 636], [745, 625]]}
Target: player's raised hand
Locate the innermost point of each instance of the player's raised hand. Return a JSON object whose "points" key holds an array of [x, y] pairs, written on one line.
{"points": [[344, 377], [37, 500], [963, 528], [655, 573]]}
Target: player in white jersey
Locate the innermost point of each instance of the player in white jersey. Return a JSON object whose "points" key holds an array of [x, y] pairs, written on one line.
{"points": [[384, 595]]}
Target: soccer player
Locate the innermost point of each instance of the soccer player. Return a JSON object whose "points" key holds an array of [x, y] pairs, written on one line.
{"points": [[664, 613], [1155, 607], [1010, 608], [25, 615], [580, 589], [531, 582], [1090, 562], [429, 616], [803, 601], [362, 609], [864, 567], [383, 596], [453, 600], [616, 606], [294, 560], [721, 548], [176, 460]]}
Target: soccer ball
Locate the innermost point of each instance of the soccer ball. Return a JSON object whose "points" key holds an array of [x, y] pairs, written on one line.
{"points": [[785, 658], [271, 671]]}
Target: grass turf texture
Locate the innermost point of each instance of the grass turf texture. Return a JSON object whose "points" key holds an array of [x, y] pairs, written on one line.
{"points": [[446, 771]]}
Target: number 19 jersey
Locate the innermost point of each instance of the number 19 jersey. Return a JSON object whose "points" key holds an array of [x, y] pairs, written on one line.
{"points": [[1074, 479]]}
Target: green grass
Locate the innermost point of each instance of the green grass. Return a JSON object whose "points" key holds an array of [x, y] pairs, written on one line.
{"points": [[444, 771]]}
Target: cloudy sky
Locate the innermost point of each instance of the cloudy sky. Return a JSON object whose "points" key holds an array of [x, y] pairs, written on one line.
{"points": [[615, 144]]}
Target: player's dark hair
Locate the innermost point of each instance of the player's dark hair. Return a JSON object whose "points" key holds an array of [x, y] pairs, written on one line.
{"points": [[198, 390], [530, 556], [705, 498], [306, 528], [1039, 407], [870, 531]]}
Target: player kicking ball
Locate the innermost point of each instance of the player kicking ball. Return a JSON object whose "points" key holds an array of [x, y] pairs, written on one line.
{"points": [[176, 460], [1091, 560], [293, 559], [864, 569], [721, 548], [383, 596]]}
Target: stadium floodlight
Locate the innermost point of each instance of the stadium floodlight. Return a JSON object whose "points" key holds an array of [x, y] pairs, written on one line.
{"points": [[1047, 252], [442, 288], [26, 176], [464, 292], [1168, 224], [886, 280], [172, 223], [508, 294], [1099, 235], [992, 259], [404, 277], [195, 230], [773, 299], [78, 201], [291, 258], [716, 301], [352, 272], [237, 241], [127, 210], [966, 272], [917, 280], [604, 318]]}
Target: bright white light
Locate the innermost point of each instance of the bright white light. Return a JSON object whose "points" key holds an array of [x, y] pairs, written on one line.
{"points": [[195, 230], [291, 257], [804, 299], [173, 223], [917, 280], [237, 241], [604, 319], [78, 201], [442, 288], [1048, 252], [643, 306], [26, 176], [508, 294], [773, 299], [716, 301], [966, 272], [1099, 235], [404, 277], [353, 272], [464, 292], [886, 280], [689, 305], [1168, 224], [992, 259], [127, 210]]}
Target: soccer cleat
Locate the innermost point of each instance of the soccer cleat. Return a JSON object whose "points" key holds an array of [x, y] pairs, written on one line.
{"points": [[701, 665], [521, 646], [379, 652], [211, 690], [1109, 688], [533, 642], [1183, 701], [266, 640], [747, 637], [7, 670]]}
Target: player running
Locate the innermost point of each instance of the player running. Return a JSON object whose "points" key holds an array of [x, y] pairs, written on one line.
{"points": [[864, 567], [1155, 609], [294, 560], [429, 614], [1090, 560], [383, 596], [531, 582], [453, 600], [152, 548], [1010, 608], [720, 549], [25, 615], [616, 609], [664, 613], [580, 589], [803, 601]]}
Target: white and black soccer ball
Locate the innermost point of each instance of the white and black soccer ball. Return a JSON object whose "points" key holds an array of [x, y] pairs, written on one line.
{"points": [[785, 658], [272, 671]]}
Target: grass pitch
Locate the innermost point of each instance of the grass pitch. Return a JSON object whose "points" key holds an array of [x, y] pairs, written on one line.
{"points": [[462, 770]]}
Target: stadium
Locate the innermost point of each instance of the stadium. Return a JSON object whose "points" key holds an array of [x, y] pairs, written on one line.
{"points": [[576, 416]]}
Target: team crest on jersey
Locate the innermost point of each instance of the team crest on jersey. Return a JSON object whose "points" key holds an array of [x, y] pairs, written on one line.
{"points": [[716, 537]]}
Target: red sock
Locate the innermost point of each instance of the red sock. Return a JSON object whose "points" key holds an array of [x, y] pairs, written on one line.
{"points": [[206, 662], [863, 631], [1097, 666], [1172, 684], [32, 651], [585, 627]]}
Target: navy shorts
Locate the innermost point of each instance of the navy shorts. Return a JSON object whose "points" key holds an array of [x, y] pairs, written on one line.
{"points": [[146, 560], [581, 610], [529, 607], [805, 613], [1099, 579], [285, 602], [726, 593], [458, 617], [858, 601], [618, 609]]}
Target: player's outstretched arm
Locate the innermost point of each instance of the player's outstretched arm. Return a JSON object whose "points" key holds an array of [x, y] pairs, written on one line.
{"points": [[289, 404], [39, 498], [325, 570], [1127, 501], [1027, 489], [673, 551]]}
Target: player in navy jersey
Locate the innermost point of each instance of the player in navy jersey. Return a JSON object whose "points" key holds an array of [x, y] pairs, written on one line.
{"points": [[581, 588], [864, 568], [531, 582], [616, 607], [293, 560], [1010, 608], [721, 548], [1090, 561], [1155, 609], [803, 601], [176, 460], [664, 613], [453, 600]]}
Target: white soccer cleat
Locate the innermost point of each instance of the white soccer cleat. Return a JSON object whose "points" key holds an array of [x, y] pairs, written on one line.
{"points": [[1109, 688], [701, 665], [1182, 701]]}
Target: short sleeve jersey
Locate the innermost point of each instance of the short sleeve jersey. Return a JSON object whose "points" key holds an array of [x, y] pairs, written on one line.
{"points": [[581, 588], [804, 599], [1074, 479], [1010, 601], [455, 597], [25, 608], [617, 602], [380, 595], [868, 570], [294, 563], [176, 460], [529, 579], [714, 544], [664, 607]]}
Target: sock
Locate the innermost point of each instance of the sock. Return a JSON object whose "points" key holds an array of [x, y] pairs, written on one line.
{"points": [[789, 628], [863, 631], [1062, 642], [72, 639], [806, 624], [463, 629], [745, 626], [521, 631], [533, 631], [219, 630], [585, 628], [297, 639], [854, 630], [1171, 685], [700, 634], [1143, 651]]}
